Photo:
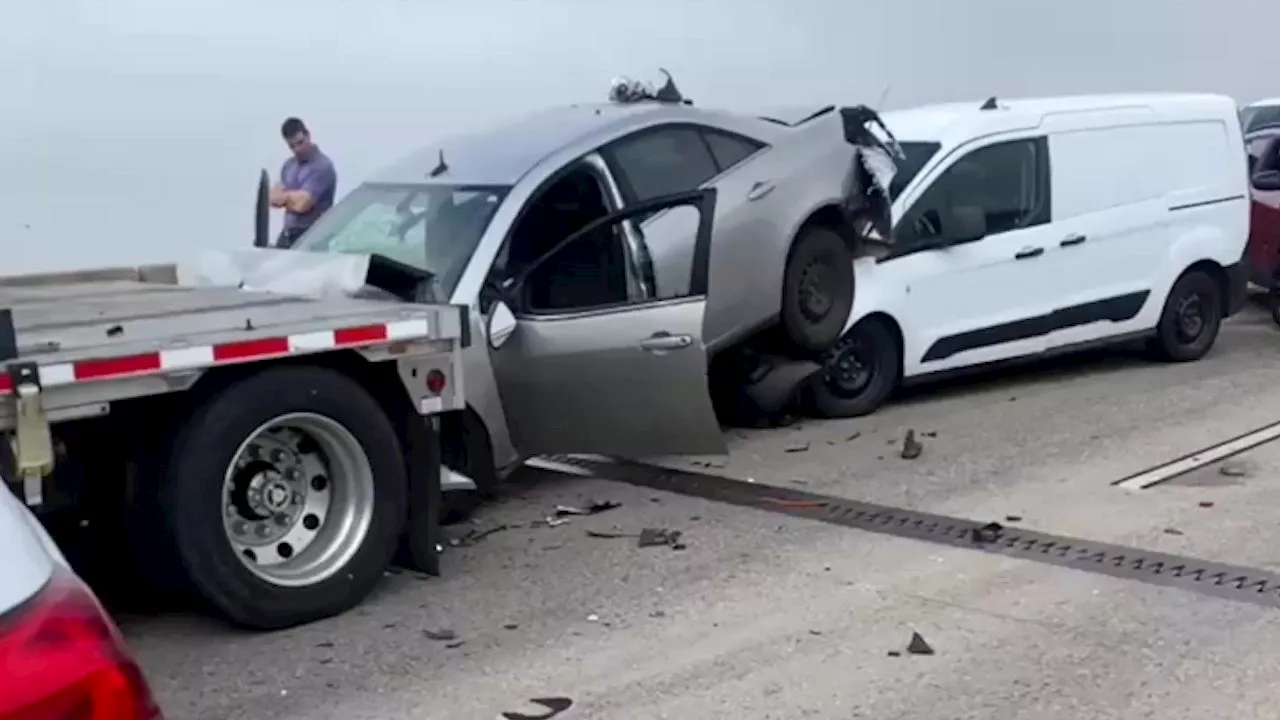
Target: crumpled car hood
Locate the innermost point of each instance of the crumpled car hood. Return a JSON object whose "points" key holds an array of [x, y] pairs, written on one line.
{"points": [[287, 272]]}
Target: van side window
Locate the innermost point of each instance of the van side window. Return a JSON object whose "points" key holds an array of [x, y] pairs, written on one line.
{"points": [[1008, 183]]}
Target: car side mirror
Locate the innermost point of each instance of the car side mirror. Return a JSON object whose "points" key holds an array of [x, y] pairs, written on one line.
{"points": [[1266, 180], [964, 224], [499, 325]]}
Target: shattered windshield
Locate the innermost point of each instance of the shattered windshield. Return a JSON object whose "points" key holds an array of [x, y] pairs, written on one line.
{"points": [[915, 155], [430, 227]]}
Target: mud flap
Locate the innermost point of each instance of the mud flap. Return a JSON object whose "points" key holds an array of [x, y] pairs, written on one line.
{"points": [[422, 542]]}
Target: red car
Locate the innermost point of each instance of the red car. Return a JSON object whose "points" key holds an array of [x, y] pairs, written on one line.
{"points": [[1263, 250]]}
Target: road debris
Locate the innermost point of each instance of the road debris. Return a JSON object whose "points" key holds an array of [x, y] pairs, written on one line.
{"points": [[592, 509], [441, 635], [911, 448], [475, 535], [796, 448], [115, 331], [510, 626], [988, 533], [610, 535], [1233, 469], [918, 646], [1013, 518], [1206, 503], [659, 537], [1173, 531], [455, 644], [593, 618], [553, 705]]}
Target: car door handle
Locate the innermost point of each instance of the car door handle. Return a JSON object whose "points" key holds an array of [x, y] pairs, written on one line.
{"points": [[760, 189], [1072, 240], [1028, 252], [663, 341]]}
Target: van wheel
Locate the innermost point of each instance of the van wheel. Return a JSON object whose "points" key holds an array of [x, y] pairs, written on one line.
{"points": [[1191, 319], [817, 289], [284, 496], [859, 373], [467, 449]]}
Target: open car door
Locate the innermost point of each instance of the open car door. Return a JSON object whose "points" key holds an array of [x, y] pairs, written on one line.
{"points": [[624, 377]]}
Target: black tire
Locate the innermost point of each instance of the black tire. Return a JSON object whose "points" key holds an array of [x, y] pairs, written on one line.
{"points": [[467, 449], [817, 290], [188, 482], [859, 373], [1190, 320]]}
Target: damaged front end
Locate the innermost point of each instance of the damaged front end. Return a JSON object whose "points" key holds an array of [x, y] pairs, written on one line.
{"points": [[866, 199]]}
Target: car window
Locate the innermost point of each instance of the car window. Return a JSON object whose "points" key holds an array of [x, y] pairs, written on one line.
{"points": [[660, 162], [729, 149], [1008, 181]]}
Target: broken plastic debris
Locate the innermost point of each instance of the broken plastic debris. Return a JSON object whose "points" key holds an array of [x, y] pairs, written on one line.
{"points": [[911, 448], [592, 509], [441, 635], [657, 537], [553, 705], [918, 646], [473, 536], [796, 448], [1233, 470]]}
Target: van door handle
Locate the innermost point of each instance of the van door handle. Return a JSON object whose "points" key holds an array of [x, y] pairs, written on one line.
{"points": [[662, 342], [1072, 240], [1028, 252], [760, 189]]}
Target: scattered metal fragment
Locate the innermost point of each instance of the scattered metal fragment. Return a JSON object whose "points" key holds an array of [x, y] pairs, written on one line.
{"points": [[115, 330], [658, 614], [894, 653], [918, 646], [441, 635], [930, 433], [988, 533], [911, 448], [510, 626], [1206, 503], [325, 644], [796, 448], [456, 644], [853, 437], [554, 706], [1013, 518], [248, 324], [592, 509], [1173, 531], [658, 537], [815, 632]]}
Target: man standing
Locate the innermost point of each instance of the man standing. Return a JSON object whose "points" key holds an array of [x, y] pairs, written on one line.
{"points": [[307, 184]]}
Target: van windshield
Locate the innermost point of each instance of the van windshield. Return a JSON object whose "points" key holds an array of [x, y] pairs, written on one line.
{"points": [[431, 227], [1259, 116], [915, 155]]}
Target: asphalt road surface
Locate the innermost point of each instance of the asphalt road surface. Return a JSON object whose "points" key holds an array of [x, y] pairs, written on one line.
{"points": [[762, 615]]}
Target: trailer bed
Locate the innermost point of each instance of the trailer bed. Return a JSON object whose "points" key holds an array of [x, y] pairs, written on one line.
{"points": [[73, 318]]}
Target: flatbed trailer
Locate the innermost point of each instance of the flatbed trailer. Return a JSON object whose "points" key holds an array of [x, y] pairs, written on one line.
{"points": [[268, 453]]}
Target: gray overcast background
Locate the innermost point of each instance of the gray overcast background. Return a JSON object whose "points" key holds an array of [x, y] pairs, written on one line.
{"points": [[133, 129]]}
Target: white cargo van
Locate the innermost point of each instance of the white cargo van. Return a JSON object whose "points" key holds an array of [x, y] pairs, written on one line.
{"points": [[1025, 227]]}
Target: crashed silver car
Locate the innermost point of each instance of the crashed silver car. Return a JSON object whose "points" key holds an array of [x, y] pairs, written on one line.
{"points": [[610, 251]]}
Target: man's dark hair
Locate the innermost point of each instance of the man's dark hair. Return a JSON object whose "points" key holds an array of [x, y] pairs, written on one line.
{"points": [[291, 127]]}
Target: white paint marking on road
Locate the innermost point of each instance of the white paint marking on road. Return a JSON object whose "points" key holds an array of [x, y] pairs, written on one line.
{"points": [[1200, 458]]}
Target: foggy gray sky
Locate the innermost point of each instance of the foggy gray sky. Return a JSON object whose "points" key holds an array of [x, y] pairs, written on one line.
{"points": [[134, 129]]}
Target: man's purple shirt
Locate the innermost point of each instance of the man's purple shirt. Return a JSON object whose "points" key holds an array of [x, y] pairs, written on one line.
{"points": [[318, 177]]}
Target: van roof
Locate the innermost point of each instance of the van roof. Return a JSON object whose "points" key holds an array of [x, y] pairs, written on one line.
{"points": [[960, 121]]}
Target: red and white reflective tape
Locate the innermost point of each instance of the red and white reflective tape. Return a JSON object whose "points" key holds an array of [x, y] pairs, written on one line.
{"points": [[203, 356]]}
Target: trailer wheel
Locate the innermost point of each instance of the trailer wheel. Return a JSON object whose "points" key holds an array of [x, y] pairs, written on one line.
{"points": [[817, 289], [286, 494]]}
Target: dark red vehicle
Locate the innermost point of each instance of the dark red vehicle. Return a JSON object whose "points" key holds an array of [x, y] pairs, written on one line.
{"points": [[1263, 250]]}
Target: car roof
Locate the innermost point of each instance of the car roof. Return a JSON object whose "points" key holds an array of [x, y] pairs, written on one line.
{"points": [[1265, 102], [501, 154], [957, 122], [28, 559]]}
